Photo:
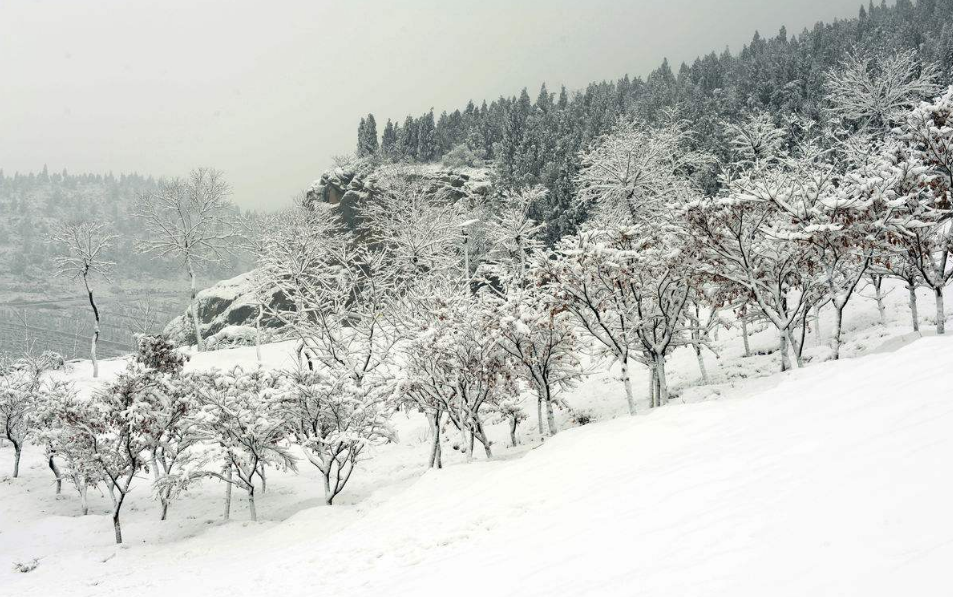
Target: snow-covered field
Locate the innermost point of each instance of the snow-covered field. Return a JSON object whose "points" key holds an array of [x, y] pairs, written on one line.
{"points": [[830, 480]]}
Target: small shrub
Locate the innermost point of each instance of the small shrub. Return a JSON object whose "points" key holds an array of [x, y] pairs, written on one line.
{"points": [[24, 567], [156, 352], [582, 417], [53, 360]]}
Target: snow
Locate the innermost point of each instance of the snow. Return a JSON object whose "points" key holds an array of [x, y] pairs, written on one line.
{"points": [[829, 480]]}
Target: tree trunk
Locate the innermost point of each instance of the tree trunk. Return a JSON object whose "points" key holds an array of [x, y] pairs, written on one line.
{"points": [[83, 502], [662, 382], [627, 382], [513, 424], [539, 415], [879, 297], [228, 494], [199, 343], [56, 473], [17, 450], [328, 496], [550, 416], [435, 455], [785, 358], [251, 504], [652, 384], [165, 507], [914, 316], [116, 526], [817, 325], [261, 311], [701, 364], [940, 312], [835, 338], [95, 340], [483, 439], [744, 336], [795, 348]]}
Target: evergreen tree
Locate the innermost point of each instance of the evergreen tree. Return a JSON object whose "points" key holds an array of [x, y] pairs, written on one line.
{"points": [[389, 139], [427, 148], [367, 137]]}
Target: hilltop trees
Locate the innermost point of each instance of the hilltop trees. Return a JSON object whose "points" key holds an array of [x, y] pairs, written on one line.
{"points": [[857, 72], [367, 136]]}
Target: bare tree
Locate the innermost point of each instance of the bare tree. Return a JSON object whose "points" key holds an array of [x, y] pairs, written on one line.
{"points": [[82, 249], [191, 221]]}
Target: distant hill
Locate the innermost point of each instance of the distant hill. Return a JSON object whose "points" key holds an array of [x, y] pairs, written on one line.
{"points": [[30, 204]]}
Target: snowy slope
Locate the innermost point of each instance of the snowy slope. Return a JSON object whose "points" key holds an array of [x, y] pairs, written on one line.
{"points": [[831, 480]]}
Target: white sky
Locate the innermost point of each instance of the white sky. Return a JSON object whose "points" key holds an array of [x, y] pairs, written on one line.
{"points": [[269, 91]]}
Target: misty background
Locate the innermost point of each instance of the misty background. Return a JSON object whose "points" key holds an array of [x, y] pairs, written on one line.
{"points": [[269, 92]]}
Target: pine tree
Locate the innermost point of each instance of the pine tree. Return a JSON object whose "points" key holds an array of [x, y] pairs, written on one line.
{"points": [[367, 137], [427, 149], [389, 139]]}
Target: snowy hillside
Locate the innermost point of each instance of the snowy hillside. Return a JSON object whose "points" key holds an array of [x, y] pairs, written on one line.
{"points": [[829, 480]]}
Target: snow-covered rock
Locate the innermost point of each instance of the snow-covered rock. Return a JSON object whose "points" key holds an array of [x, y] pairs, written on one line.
{"points": [[227, 311]]}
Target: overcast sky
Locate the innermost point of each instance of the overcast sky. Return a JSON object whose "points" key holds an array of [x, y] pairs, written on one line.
{"points": [[269, 91]]}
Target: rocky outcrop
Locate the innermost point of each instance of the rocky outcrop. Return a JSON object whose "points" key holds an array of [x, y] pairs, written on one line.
{"points": [[223, 307], [348, 186], [228, 309]]}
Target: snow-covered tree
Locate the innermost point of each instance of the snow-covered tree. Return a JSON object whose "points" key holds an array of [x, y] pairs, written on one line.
{"points": [[454, 366], [19, 388], [417, 226], [737, 246], [874, 91], [755, 141], [70, 427], [632, 173], [513, 237], [838, 227], [540, 337], [117, 433], [190, 221], [627, 291], [334, 419], [914, 178], [174, 444], [81, 254], [531, 328], [243, 417]]}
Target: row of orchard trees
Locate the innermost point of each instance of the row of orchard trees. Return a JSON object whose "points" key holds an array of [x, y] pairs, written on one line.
{"points": [[188, 221], [179, 427]]}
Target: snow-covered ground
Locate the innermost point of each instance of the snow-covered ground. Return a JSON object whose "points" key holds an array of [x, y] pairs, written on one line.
{"points": [[830, 480]]}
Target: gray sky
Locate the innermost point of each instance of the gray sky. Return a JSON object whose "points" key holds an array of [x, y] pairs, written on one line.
{"points": [[268, 91]]}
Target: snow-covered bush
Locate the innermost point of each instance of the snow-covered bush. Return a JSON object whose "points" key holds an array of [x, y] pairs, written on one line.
{"points": [[233, 335], [156, 352]]}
